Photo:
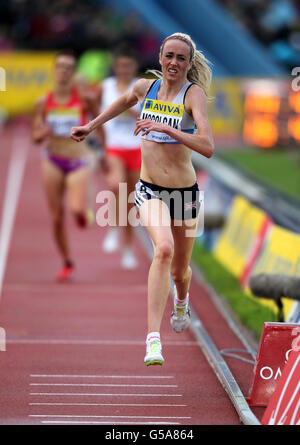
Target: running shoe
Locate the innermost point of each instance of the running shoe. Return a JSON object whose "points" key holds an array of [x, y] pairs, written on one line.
{"points": [[111, 241], [85, 220], [153, 353], [81, 220], [128, 260], [65, 273], [181, 315]]}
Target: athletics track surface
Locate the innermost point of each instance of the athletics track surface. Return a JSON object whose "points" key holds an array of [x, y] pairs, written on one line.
{"points": [[74, 352]]}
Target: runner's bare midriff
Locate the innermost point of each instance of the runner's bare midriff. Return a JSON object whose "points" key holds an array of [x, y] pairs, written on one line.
{"points": [[67, 148], [167, 165]]}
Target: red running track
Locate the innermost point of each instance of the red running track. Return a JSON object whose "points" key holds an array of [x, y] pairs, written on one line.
{"points": [[74, 352]]}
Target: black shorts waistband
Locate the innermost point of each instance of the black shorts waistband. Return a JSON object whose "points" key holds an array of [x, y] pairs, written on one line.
{"points": [[159, 188]]}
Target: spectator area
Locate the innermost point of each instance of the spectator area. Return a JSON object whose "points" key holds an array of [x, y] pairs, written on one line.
{"points": [[275, 23]]}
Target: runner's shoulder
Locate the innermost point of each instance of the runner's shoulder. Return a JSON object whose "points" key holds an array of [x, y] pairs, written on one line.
{"points": [[142, 86], [40, 103]]}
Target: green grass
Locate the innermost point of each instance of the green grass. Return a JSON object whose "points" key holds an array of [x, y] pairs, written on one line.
{"points": [[250, 313], [276, 167]]}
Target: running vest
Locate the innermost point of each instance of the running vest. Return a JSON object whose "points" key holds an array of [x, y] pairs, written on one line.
{"points": [[170, 113], [119, 131], [62, 117]]}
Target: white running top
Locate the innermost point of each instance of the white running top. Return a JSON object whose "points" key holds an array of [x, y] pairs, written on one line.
{"points": [[119, 131]]}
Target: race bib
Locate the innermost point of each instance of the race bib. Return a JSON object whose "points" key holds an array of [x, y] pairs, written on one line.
{"points": [[163, 112], [62, 120]]}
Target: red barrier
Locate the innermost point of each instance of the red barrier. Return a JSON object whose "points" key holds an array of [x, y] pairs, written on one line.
{"points": [[275, 345], [284, 406]]}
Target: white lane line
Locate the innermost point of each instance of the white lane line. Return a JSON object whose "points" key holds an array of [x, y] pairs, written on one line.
{"points": [[109, 417], [97, 394], [104, 376], [15, 174], [107, 423], [78, 288], [104, 385], [32, 341], [167, 405]]}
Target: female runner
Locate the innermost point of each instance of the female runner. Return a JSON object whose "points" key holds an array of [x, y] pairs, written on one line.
{"points": [[171, 108], [122, 161], [66, 166]]}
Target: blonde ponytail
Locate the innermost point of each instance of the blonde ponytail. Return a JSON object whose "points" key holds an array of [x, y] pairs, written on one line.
{"points": [[200, 72]]}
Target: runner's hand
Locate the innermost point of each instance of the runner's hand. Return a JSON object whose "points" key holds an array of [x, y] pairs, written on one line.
{"points": [[147, 125], [79, 133], [45, 132]]}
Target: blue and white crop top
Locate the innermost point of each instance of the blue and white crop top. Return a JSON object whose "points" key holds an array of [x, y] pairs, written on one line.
{"points": [[170, 113]]}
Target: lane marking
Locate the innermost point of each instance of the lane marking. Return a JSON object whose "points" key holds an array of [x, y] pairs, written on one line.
{"points": [[105, 376], [108, 417], [170, 405], [76, 288], [97, 394], [33, 341], [222, 371], [104, 385], [108, 423], [20, 145]]}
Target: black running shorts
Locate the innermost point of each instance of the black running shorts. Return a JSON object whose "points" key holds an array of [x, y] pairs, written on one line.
{"points": [[183, 203]]}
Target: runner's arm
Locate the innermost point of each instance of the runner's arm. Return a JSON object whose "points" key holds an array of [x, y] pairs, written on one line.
{"points": [[122, 104], [93, 105], [40, 130]]}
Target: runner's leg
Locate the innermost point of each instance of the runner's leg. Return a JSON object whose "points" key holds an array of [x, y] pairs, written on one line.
{"points": [[155, 216], [182, 273], [129, 260], [116, 174], [77, 185], [183, 247], [54, 184]]}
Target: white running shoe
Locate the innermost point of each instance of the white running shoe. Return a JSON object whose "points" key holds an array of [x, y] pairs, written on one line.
{"points": [[128, 260], [153, 353], [111, 241], [181, 315]]}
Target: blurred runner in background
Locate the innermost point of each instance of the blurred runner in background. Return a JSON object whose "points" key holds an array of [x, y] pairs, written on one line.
{"points": [[66, 165], [122, 153]]}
